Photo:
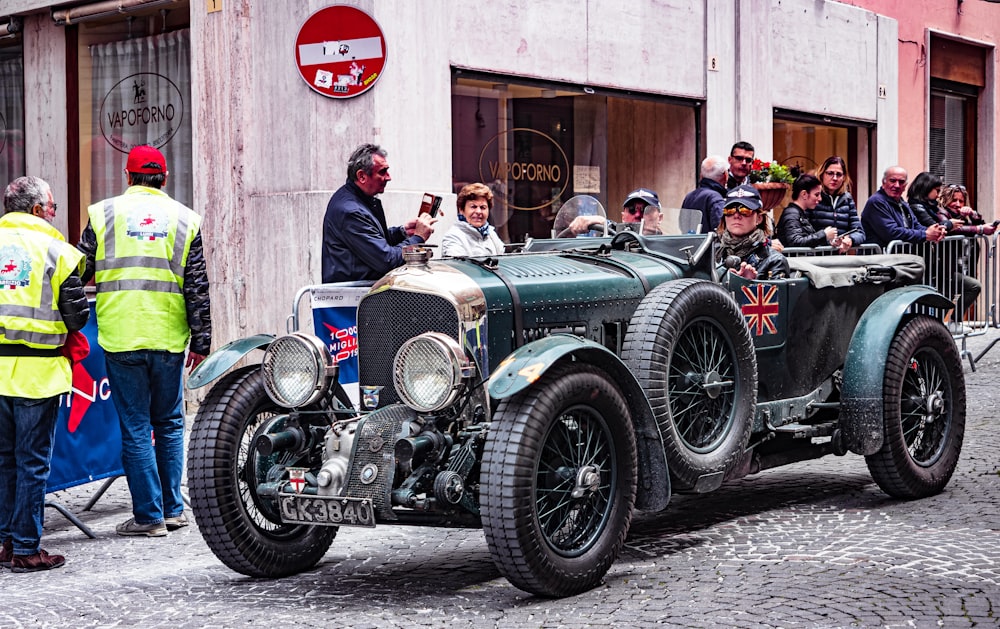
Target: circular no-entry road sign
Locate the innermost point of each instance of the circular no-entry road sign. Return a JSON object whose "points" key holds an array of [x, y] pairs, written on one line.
{"points": [[340, 51]]}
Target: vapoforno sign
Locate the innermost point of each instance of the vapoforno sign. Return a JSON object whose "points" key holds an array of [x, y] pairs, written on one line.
{"points": [[142, 108]]}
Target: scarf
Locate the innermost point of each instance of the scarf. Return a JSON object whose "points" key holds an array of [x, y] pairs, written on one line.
{"points": [[741, 246], [484, 231]]}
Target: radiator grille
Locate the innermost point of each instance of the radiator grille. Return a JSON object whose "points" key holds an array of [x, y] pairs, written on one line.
{"points": [[385, 321], [374, 448]]}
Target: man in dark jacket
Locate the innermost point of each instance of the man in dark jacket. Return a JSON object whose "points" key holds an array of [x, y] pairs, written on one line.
{"points": [[357, 243], [709, 196], [887, 217]]}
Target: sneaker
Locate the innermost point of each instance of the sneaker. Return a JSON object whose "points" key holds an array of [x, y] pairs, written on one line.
{"points": [[7, 553], [39, 561], [176, 522], [131, 528]]}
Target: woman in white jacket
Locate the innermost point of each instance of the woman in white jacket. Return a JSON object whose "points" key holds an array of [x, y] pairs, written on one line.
{"points": [[472, 235]]}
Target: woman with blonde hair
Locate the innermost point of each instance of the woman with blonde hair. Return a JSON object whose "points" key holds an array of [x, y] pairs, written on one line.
{"points": [[836, 207], [472, 235]]}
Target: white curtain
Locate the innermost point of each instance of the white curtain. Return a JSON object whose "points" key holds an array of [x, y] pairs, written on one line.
{"points": [[11, 115], [142, 95]]}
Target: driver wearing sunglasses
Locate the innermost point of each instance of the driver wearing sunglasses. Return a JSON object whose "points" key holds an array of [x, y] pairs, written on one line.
{"points": [[745, 238], [641, 212]]}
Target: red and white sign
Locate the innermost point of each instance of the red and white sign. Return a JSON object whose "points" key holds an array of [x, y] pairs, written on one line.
{"points": [[340, 51]]}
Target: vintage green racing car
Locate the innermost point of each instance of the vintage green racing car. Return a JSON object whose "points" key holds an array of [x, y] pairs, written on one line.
{"points": [[547, 394]]}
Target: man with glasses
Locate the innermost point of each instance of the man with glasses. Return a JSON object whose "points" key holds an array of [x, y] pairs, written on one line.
{"points": [[740, 158], [41, 303], [641, 211], [887, 216]]}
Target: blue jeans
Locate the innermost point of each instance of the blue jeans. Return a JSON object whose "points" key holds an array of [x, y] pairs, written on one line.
{"points": [[26, 431], [146, 391]]}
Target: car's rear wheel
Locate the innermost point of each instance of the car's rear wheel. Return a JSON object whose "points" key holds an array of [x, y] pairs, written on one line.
{"points": [[240, 526], [559, 481], [689, 347], [923, 411]]}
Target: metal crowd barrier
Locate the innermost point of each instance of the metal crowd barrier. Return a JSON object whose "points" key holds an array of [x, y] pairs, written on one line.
{"points": [[963, 269]]}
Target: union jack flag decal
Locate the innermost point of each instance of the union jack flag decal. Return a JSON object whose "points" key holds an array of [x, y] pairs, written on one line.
{"points": [[759, 308]]}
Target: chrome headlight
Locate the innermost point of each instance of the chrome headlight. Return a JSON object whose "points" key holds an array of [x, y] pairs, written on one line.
{"points": [[428, 371], [297, 369]]}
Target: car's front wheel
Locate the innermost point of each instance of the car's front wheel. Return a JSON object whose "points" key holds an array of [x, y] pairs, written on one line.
{"points": [[240, 526], [923, 411], [559, 481]]}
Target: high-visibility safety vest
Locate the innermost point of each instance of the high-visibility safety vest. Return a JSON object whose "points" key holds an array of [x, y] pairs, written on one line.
{"points": [[143, 240], [35, 260]]}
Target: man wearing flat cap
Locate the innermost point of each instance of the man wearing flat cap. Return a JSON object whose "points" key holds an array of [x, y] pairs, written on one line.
{"points": [[144, 251], [745, 238]]}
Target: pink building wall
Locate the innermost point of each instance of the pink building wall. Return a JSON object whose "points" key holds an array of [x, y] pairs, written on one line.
{"points": [[976, 21]]}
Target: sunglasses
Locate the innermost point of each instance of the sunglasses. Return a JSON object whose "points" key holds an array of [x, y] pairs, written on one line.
{"points": [[743, 210], [745, 160], [956, 186], [637, 208]]}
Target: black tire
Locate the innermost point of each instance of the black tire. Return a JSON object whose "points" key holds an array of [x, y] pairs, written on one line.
{"points": [[531, 465], [691, 351], [923, 393], [240, 527]]}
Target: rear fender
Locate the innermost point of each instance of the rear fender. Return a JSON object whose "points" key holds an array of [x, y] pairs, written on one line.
{"points": [[528, 363], [864, 369], [219, 361]]}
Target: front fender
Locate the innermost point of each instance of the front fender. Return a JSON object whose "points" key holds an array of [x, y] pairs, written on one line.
{"points": [[528, 363], [864, 369], [219, 361]]}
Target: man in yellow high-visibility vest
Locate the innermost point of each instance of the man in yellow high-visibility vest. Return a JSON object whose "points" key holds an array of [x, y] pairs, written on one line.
{"points": [[145, 254], [41, 303]]}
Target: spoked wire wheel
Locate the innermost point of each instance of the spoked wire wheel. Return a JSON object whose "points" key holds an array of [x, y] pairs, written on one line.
{"points": [[923, 417]]}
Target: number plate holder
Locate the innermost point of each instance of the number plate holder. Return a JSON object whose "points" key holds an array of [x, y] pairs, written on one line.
{"points": [[326, 510]]}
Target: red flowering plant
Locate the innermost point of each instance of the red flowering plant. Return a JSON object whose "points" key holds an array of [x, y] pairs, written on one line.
{"points": [[771, 172]]}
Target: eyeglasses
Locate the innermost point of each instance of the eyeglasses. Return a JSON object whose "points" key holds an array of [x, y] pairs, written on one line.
{"points": [[636, 208], [55, 207], [833, 174], [743, 210], [746, 159]]}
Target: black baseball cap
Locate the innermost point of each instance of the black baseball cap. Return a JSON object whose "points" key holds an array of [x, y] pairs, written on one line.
{"points": [[745, 195]]}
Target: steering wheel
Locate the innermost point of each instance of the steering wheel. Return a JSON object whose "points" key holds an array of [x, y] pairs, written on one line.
{"points": [[568, 233]]}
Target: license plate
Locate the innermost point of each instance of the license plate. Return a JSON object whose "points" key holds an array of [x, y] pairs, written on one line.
{"points": [[327, 510]]}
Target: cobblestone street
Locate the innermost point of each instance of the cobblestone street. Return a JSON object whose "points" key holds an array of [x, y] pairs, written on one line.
{"points": [[814, 544]]}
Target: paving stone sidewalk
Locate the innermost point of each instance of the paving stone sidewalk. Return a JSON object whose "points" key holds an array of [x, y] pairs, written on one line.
{"points": [[815, 544]]}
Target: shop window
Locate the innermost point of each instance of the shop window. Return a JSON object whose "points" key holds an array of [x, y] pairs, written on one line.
{"points": [[958, 73], [952, 136], [804, 142], [11, 113], [133, 87], [538, 144]]}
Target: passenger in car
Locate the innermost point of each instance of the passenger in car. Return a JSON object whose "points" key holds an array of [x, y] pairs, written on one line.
{"points": [[745, 238], [795, 228], [472, 235]]}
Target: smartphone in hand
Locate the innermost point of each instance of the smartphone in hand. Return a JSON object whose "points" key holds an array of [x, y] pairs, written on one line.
{"points": [[430, 204]]}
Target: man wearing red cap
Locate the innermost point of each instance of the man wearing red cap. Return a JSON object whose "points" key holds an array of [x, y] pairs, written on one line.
{"points": [[144, 251]]}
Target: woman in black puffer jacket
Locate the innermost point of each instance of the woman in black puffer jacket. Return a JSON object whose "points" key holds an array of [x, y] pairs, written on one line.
{"points": [[836, 207], [922, 199]]}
